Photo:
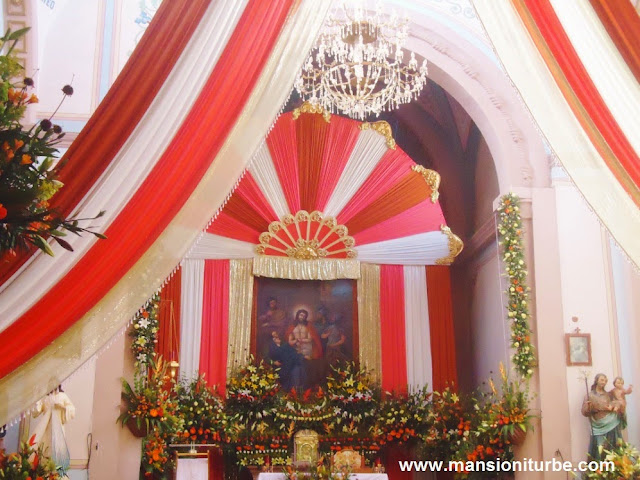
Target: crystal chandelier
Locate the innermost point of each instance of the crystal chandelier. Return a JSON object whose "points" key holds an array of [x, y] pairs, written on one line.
{"points": [[357, 64]]}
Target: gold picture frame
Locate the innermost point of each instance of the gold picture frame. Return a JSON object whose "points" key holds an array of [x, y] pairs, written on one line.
{"points": [[578, 348]]}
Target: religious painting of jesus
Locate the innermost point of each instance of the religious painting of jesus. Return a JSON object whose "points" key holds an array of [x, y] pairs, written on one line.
{"points": [[304, 327]]}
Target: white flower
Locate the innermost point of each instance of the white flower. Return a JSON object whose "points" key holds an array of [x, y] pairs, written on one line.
{"points": [[143, 323]]}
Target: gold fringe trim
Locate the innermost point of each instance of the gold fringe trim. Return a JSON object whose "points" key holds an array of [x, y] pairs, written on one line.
{"points": [[308, 107], [240, 312], [369, 337], [384, 129], [455, 246], [294, 269], [432, 178]]}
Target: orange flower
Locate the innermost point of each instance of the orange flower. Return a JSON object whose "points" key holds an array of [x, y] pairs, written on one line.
{"points": [[17, 144], [33, 99], [26, 159], [153, 412]]}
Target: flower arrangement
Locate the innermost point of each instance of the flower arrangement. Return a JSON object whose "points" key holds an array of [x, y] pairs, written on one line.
{"points": [[145, 332], [309, 408], [510, 232], [509, 411], [149, 403], [251, 398], [402, 418], [626, 463], [351, 391], [28, 179], [201, 410], [156, 459], [29, 462], [448, 425]]}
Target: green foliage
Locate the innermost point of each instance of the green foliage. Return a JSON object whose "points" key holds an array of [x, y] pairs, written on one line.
{"points": [[29, 462], [28, 179], [510, 232]]}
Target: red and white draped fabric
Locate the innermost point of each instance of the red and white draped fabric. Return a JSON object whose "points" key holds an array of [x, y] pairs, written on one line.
{"points": [[343, 170], [160, 155], [418, 346], [577, 67]]}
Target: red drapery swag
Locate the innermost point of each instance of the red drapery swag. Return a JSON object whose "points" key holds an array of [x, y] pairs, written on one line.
{"points": [[581, 93], [214, 339], [443, 346], [164, 191], [392, 329], [622, 23], [169, 318], [120, 111]]}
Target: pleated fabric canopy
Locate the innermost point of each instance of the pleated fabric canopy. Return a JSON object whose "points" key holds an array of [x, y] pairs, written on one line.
{"points": [[328, 187], [577, 67], [160, 155]]}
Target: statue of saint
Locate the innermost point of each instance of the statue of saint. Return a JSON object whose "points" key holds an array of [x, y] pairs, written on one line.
{"points": [[605, 423], [618, 394], [56, 410]]}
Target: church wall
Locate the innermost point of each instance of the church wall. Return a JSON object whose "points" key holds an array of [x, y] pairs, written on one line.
{"points": [[116, 453], [584, 264], [78, 429], [489, 329], [486, 185], [626, 285]]}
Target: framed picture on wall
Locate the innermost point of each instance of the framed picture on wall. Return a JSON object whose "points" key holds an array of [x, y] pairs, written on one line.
{"points": [[305, 327], [578, 347]]}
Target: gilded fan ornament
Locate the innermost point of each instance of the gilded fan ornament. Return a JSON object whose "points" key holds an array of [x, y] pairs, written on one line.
{"points": [[455, 246], [432, 178], [307, 236], [308, 107], [384, 129]]}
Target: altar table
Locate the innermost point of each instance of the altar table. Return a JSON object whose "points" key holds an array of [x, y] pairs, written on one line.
{"points": [[353, 476], [192, 469]]}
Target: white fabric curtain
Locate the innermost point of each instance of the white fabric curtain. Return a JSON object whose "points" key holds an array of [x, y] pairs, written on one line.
{"points": [[366, 154], [264, 172], [216, 247], [135, 160], [420, 249], [191, 296], [417, 334]]}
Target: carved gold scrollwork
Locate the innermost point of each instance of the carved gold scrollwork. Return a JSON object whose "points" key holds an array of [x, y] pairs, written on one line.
{"points": [[314, 237], [432, 178], [308, 107], [384, 129], [455, 246]]}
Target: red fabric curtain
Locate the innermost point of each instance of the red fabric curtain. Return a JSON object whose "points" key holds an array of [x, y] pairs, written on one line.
{"points": [[407, 192], [424, 217], [215, 323], [580, 92], [169, 318], [622, 22], [227, 226], [443, 345], [251, 193], [282, 143], [393, 165], [392, 329], [122, 108], [312, 132], [164, 191], [342, 137]]}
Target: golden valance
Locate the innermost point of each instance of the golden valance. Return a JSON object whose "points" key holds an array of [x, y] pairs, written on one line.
{"points": [[294, 269]]}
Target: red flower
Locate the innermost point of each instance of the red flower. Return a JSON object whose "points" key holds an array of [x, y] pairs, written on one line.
{"points": [[3, 211], [32, 440]]}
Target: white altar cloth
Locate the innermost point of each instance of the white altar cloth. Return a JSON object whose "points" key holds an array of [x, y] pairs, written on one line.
{"points": [[192, 469]]}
